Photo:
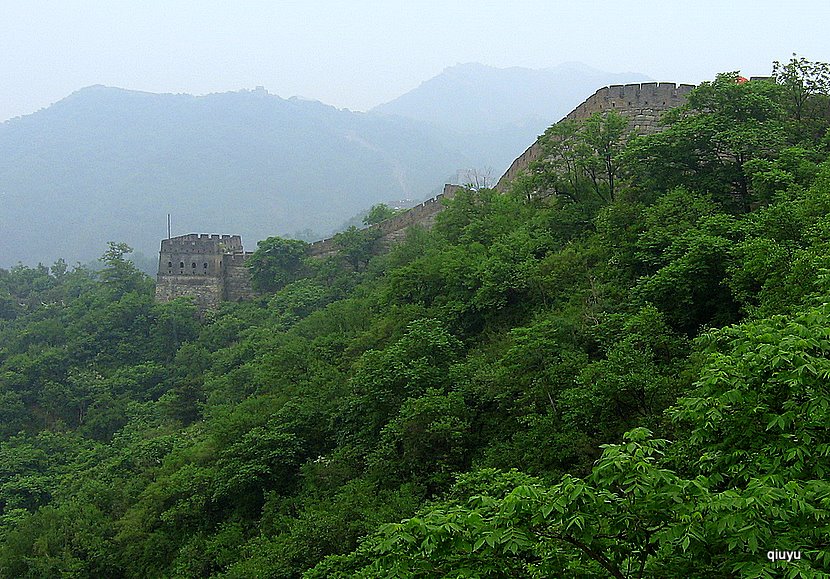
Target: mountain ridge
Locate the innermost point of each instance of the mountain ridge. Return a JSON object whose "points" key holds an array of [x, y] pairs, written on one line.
{"points": [[489, 106], [108, 164]]}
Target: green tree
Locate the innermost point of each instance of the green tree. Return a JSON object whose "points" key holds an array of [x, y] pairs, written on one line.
{"points": [[384, 379], [631, 518], [580, 156], [763, 401], [276, 263], [604, 136], [378, 213], [690, 289], [119, 274], [709, 140], [558, 170], [806, 85], [425, 442], [357, 246]]}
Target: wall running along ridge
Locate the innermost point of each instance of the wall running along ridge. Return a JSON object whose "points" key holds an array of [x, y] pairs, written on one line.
{"points": [[394, 228], [641, 103], [211, 268]]}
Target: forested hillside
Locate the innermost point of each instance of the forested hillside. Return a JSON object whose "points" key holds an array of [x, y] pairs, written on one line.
{"points": [[618, 368]]}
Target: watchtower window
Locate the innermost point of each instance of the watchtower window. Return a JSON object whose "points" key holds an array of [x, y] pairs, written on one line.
{"points": [[205, 265], [181, 265], [169, 264], [193, 265]]}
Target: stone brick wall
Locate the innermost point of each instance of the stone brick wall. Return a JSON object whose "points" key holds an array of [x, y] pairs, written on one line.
{"points": [[208, 267], [207, 291], [394, 229], [237, 278], [642, 103]]}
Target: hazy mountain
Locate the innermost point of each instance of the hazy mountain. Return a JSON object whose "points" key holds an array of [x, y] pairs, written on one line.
{"points": [[109, 164], [501, 111]]}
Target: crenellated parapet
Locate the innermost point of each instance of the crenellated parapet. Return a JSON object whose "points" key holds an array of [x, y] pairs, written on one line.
{"points": [[629, 99], [641, 103], [395, 227], [207, 267], [202, 243]]}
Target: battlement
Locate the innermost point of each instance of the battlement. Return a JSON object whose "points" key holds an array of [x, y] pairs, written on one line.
{"points": [[208, 267], [202, 243], [236, 258], [629, 98], [642, 103]]}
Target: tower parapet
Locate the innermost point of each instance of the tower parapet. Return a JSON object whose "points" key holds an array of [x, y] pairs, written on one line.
{"points": [[207, 267], [202, 243]]}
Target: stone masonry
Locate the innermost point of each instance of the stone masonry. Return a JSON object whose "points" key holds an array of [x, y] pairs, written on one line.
{"points": [[209, 268], [641, 103]]}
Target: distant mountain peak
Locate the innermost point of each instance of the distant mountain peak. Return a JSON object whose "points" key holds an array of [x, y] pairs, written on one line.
{"points": [[469, 66], [473, 94], [93, 87], [498, 112], [108, 163], [102, 88]]}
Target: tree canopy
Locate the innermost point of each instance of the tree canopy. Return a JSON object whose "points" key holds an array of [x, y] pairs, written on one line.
{"points": [[617, 368]]}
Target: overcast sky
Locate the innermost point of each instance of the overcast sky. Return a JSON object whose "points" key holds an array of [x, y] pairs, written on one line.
{"points": [[357, 54]]}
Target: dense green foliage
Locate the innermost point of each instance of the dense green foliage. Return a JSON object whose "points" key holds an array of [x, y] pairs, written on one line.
{"points": [[276, 263], [625, 374]]}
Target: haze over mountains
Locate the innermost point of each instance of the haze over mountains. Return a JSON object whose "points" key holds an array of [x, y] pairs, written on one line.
{"points": [[498, 112], [109, 164]]}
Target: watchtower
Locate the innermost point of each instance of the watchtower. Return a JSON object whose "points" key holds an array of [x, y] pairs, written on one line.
{"points": [[208, 267]]}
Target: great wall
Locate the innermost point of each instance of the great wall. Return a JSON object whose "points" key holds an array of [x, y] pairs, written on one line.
{"points": [[642, 103], [394, 228], [211, 269]]}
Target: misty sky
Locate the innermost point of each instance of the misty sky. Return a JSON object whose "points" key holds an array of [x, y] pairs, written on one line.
{"points": [[357, 54]]}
